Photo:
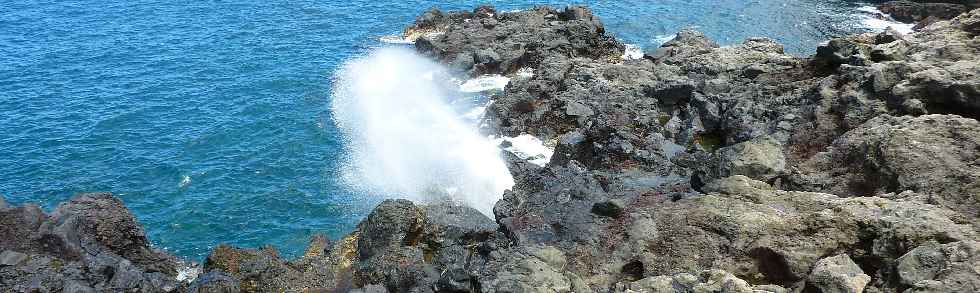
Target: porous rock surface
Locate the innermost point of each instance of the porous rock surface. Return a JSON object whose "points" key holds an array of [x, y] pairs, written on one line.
{"points": [[697, 168]]}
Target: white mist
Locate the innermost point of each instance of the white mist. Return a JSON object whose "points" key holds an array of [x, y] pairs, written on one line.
{"points": [[404, 139]]}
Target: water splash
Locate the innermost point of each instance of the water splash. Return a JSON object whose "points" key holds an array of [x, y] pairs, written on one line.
{"points": [[405, 140]]}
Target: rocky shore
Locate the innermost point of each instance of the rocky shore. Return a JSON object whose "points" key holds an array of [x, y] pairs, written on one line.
{"points": [[696, 168], [925, 12]]}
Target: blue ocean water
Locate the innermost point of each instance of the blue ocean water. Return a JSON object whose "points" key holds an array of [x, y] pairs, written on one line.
{"points": [[211, 119]]}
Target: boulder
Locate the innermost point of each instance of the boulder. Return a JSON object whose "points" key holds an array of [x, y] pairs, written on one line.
{"points": [[932, 155], [934, 267], [90, 243], [761, 159], [838, 274]]}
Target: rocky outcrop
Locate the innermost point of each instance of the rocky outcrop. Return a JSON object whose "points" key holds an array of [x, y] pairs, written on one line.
{"points": [[697, 168], [911, 12], [935, 156], [487, 42], [90, 243]]}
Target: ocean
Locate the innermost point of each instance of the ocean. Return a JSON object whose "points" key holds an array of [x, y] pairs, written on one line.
{"points": [[214, 120]]}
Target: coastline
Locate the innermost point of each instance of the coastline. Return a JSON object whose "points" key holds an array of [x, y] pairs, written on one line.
{"points": [[717, 168]]}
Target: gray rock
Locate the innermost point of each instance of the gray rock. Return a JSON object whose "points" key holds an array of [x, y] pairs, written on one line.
{"points": [[502, 42], [11, 258], [920, 264], [214, 282], [930, 155], [935, 267], [838, 274], [909, 11], [649, 145], [761, 158], [610, 208], [373, 288]]}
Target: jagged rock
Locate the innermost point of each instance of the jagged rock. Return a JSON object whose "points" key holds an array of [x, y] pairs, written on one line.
{"points": [[761, 158], [90, 243], [503, 42], [935, 267], [838, 274], [707, 281], [909, 11], [610, 208], [639, 195], [933, 155], [214, 282], [531, 273]]}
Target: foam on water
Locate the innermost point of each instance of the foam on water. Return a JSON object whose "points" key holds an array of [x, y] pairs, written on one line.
{"points": [[659, 40], [405, 140], [395, 39], [874, 19]]}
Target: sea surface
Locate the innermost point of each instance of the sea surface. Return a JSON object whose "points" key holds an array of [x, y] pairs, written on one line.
{"points": [[212, 119]]}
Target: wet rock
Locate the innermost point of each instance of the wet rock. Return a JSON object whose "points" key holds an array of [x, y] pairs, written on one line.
{"points": [[838, 274]]}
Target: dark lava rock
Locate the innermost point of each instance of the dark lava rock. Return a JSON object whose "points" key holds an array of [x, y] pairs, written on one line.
{"points": [[90, 243], [909, 11], [610, 208], [489, 42]]}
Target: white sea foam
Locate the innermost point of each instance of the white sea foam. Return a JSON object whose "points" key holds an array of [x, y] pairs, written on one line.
{"points": [[484, 83], [663, 39], [633, 52], [399, 39], [528, 147], [525, 72], [405, 140], [874, 19], [188, 272], [476, 113], [395, 39]]}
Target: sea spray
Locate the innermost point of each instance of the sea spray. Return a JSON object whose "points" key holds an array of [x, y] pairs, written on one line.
{"points": [[405, 140]]}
